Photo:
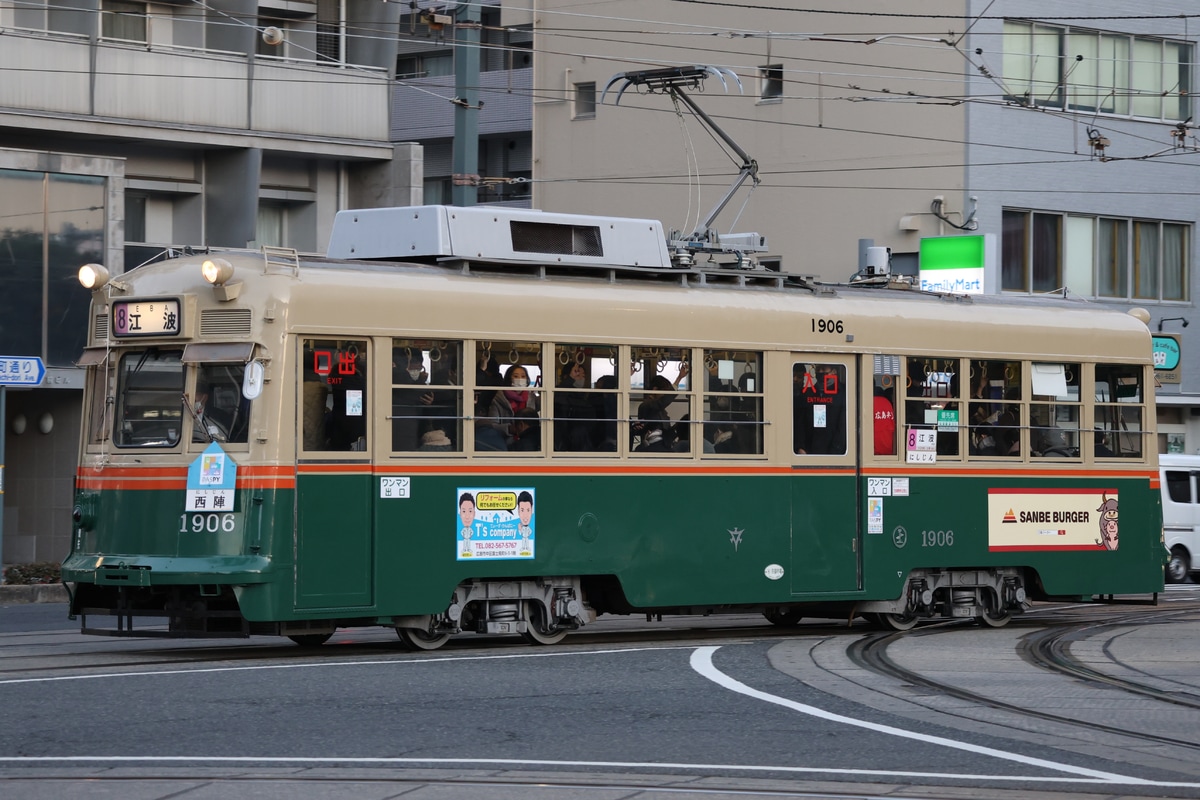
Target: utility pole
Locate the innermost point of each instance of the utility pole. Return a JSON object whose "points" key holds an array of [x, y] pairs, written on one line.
{"points": [[465, 191]]}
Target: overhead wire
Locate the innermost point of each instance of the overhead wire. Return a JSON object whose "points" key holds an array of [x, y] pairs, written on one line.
{"points": [[883, 95]]}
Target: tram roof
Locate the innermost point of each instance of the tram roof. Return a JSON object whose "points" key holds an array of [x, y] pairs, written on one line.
{"points": [[720, 308]]}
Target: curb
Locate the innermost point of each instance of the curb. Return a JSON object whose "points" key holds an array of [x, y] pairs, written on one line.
{"points": [[33, 593]]}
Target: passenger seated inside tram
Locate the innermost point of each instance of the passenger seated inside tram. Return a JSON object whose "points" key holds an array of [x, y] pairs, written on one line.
{"points": [[652, 419], [526, 431]]}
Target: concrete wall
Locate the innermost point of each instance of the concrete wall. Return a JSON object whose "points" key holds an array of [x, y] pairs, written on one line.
{"points": [[854, 143]]}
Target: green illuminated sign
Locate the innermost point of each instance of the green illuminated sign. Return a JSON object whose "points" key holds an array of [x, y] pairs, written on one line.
{"points": [[952, 252]]}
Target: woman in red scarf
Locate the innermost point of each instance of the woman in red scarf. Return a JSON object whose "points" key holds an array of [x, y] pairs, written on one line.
{"points": [[514, 397]]}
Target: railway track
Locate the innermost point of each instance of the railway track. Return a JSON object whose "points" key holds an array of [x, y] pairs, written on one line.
{"points": [[1048, 647]]}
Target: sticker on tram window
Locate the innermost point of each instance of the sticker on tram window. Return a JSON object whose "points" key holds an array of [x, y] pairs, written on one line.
{"points": [[395, 488], [211, 481], [494, 524], [158, 317], [921, 446], [879, 487], [874, 515]]}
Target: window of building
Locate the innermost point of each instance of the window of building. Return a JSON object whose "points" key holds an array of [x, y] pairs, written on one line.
{"points": [[1032, 252], [1092, 71], [135, 217], [425, 65], [329, 30], [55, 223], [1095, 256], [271, 228], [585, 100], [124, 20], [770, 82]]}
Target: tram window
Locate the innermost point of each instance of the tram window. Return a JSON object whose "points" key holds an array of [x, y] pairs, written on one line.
{"points": [[149, 399], [334, 394], [427, 396], [1055, 412], [221, 414], [661, 398], [934, 400], [733, 407], [1119, 412], [883, 403], [818, 409], [995, 409], [506, 377], [585, 411]]}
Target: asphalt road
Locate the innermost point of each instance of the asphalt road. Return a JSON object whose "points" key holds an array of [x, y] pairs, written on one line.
{"points": [[714, 707]]}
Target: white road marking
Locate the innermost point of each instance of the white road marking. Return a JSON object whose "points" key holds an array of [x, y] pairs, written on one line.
{"points": [[702, 663]]}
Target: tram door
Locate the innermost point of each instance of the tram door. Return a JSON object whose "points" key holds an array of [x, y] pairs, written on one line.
{"points": [[826, 546], [334, 531]]}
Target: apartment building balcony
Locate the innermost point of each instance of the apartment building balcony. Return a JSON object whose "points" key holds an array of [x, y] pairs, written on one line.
{"points": [[89, 85]]}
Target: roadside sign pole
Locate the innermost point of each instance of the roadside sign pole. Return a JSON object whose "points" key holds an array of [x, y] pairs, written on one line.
{"points": [[3, 431]]}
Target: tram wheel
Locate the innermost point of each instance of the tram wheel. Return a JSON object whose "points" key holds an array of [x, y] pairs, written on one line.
{"points": [[418, 639], [311, 639], [995, 619], [895, 622], [783, 617], [536, 631]]}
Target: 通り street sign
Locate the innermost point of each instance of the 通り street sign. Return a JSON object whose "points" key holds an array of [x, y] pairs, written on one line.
{"points": [[21, 371]]}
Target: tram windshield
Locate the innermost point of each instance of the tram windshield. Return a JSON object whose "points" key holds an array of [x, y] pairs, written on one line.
{"points": [[153, 408], [149, 399]]}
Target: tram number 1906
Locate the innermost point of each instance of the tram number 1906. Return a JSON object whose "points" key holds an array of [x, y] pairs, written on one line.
{"points": [[828, 326], [937, 538], [206, 523]]}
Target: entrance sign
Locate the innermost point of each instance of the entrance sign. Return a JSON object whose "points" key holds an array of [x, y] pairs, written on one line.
{"points": [[21, 371]]}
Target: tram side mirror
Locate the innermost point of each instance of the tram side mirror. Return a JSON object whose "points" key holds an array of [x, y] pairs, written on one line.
{"points": [[252, 382]]}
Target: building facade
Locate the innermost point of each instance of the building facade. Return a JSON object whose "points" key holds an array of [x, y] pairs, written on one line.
{"points": [[131, 128]]}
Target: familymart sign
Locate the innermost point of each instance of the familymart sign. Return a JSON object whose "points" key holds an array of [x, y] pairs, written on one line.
{"points": [[956, 264]]}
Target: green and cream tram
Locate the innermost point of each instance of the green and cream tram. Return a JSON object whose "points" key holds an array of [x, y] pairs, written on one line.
{"points": [[495, 420]]}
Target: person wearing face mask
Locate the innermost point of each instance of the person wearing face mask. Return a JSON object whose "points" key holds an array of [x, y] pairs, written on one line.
{"points": [[512, 398], [576, 417]]}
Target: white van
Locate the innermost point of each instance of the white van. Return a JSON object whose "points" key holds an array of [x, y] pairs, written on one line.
{"points": [[1181, 514]]}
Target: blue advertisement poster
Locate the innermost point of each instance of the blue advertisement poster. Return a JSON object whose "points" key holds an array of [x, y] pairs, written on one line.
{"points": [[494, 524]]}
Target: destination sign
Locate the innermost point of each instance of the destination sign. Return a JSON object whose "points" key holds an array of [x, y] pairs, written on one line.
{"points": [[158, 317]]}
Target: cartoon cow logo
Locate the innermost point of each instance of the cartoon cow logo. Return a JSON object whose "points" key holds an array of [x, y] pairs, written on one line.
{"points": [[1108, 523]]}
